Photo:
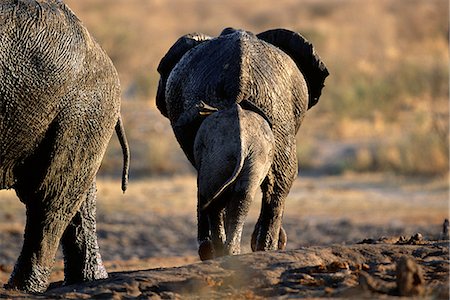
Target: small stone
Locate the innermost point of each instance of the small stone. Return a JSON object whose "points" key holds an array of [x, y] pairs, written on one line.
{"points": [[336, 266], [410, 280], [418, 237]]}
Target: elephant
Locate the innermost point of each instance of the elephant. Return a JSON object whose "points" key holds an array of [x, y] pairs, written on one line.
{"points": [[233, 151], [59, 106], [278, 71]]}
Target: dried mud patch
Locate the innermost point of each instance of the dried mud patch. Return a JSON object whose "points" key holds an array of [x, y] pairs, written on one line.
{"points": [[376, 270]]}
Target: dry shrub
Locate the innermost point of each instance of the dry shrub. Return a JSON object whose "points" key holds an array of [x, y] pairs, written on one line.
{"points": [[415, 153]]}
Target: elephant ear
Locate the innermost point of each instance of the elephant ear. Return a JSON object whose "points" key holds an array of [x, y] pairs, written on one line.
{"points": [[170, 60], [303, 54]]}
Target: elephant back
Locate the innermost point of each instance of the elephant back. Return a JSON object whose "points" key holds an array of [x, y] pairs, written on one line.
{"points": [[233, 67], [217, 152], [50, 69], [230, 144], [207, 72]]}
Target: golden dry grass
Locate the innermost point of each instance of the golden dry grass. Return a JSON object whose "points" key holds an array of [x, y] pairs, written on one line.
{"points": [[373, 198], [353, 37], [374, 201], [388, 87]]}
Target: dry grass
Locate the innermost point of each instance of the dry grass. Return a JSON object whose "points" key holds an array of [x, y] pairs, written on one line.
{"points": [[376, 199], [357, 39], [172, 196], [166, 209], [379, 198], [388, 87]]}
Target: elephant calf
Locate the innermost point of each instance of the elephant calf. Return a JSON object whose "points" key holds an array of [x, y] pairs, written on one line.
{"points": [[233, 151], [59, 106]]}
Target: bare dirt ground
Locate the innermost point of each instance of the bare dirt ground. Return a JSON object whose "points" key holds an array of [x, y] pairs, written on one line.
{"points": [[153, 228]]}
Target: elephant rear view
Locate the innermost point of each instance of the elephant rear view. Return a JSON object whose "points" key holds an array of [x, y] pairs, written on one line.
{"points": [[233, 151], [59, 106], [278, 72]]}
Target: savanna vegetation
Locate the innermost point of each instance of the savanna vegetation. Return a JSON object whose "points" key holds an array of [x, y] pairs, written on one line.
{"points": [[385, 106], [384, 110]]}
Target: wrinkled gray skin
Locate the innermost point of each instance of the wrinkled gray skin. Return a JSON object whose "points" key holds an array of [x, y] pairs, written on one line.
{"points": [[277, 71], [233, 151], [59, 106]]}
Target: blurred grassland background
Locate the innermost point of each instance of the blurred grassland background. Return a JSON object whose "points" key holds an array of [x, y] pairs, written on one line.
{"points": [[385, 105]]}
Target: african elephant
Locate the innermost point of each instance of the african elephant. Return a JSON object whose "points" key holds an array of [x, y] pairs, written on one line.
{"points": [[276, 71], [233, 151], [59, 106]]}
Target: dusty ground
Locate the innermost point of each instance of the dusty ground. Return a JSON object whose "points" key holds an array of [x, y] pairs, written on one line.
{"points": [[358, 271], [153, 226]]}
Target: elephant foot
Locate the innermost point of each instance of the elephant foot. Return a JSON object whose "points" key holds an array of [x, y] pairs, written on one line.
{"points": [[86, 271], [96, 271], [99, 273], [34, 280], [206, 250], [232, 248], [282, 239]]}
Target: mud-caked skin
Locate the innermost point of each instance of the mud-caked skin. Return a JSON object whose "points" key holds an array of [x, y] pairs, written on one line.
{"points": [[59, 106], [233, 151], [277, 72]]}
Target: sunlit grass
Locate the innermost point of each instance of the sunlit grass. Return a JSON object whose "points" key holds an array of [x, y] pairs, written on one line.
{"points": [[388, 61]]}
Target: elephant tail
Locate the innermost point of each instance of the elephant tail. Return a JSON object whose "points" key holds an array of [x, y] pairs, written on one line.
{"points": [[231, 180], [120, 131]]}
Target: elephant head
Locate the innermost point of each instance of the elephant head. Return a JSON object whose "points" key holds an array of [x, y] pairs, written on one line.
{"points": [[233, 152], [276, 74]]}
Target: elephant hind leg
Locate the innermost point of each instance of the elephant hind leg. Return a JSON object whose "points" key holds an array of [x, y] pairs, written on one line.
{"points": [[213, 246], [45, 225], [34, 264], [268, 230], [237, 209], [82, 259], [269, 233], [216, 223], [206, 247], [282, 238], [53, 183], [211, 229]]}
